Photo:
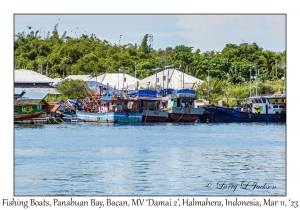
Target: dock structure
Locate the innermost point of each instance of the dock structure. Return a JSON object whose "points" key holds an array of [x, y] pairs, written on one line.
{"points": [[39, 121], [32, 121]]}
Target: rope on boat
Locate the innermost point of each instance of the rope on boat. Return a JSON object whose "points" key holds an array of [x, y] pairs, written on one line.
{"points": [[55, 120], [146, 115], [179, 118]]}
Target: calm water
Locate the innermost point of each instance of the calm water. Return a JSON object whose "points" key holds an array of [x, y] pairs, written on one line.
{"points": [[150, 159]]}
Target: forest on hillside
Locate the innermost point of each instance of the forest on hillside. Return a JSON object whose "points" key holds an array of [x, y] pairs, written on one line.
{"points": [[61, 55]]}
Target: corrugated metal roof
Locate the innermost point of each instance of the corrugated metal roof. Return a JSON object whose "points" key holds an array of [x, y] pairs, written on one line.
{"points": [[28, 102], [79, 77], [176, 80], [116, 80], [34, 95], [29, 76], [52, 91]]}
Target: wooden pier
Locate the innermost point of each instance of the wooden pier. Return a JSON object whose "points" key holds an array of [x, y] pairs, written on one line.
{"points": [[39, 121]]}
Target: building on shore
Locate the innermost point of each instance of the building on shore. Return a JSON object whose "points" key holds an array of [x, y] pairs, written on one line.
{"points": [[31, 81], [118, 81], [170, 78]]}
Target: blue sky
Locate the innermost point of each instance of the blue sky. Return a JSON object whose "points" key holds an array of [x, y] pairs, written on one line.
{"points": [[201, 31]]}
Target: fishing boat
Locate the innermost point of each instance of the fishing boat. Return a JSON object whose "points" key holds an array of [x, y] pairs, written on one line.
{"points": [[181, 106], [70, 119], [121, 108], [30, 115], [149, 105], [111, 108], [107, 117], [270, 108]]}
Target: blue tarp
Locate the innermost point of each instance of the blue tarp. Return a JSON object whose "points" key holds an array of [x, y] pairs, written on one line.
{"points": [[183, 91], [143, 93], [133, 92], [147, 93], [164, 92]]}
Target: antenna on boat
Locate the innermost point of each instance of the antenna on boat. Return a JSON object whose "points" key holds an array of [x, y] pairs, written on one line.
{"points": [[250, 80], [256, 78]]}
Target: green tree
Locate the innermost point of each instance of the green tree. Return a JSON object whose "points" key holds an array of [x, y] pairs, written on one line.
{"points": [[144, 45], [73, 88]]}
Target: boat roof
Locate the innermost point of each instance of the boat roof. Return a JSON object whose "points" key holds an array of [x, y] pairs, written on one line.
{"points": [[109, 98], [268, 96]]}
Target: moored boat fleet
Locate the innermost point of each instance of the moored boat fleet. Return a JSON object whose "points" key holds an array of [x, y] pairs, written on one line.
{"points": [[165, 105], [139, 106]]}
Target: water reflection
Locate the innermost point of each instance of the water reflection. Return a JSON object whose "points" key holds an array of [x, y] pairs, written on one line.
{"points": [[154, 159]]}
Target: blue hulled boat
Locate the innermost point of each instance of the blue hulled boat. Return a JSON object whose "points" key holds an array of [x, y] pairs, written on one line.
{"points": [[263, 109], [95, 117], [113, 109]]}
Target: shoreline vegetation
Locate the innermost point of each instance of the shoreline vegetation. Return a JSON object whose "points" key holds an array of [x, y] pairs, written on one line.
{"points": [[226, 75]]}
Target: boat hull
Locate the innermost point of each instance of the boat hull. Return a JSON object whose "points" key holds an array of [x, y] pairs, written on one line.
{"points": [[222, 114], [70, 119], [182, 118], [105, 117], [110, 117], [154, 116], [124, 117], [184, 114], [24, 116]]}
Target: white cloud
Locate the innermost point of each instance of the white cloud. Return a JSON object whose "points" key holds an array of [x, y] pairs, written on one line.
{"points": [[213, 32]]}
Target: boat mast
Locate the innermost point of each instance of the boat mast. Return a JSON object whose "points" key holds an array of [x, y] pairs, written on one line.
{"points": [[256, 78], [250, 82]]}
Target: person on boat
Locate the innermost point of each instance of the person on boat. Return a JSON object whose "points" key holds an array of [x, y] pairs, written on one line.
{"points": [[283, 111], [133, 107]]}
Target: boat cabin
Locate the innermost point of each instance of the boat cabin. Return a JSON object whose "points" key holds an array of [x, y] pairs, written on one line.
{"points": [[274, 104], [182, 98], [115, 103], [147, 99]]}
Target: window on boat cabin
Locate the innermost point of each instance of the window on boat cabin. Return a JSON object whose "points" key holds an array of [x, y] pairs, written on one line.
{"points": [[275, 106], [264, 100], [164, 78], [157, 79], [280, 106], [257, 101]]}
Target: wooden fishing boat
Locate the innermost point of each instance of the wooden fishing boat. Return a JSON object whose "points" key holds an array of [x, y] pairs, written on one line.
{"points": [[149, 105], [111, 109], [122, 109], [70, 119], [107, 117], [181, 106], [24, 116]]}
